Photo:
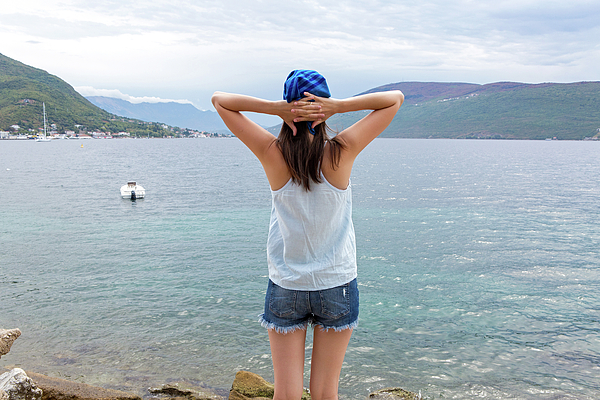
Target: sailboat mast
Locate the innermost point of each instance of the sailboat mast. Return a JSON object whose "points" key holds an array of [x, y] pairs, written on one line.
{"points": [[44, 106]]}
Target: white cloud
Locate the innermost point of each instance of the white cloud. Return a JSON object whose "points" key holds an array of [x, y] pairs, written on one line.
{"points": [[87, 91], [188, 49]]}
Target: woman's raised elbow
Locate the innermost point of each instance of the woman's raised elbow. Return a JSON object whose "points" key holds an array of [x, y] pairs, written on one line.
{"points": [[399, 96], [215, 98]]}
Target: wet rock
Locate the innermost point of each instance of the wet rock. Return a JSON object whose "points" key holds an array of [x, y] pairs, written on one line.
{"points": [[16, 385], [185, 390], [61, 389], [394, 394], [7, 337], [248, 385]]}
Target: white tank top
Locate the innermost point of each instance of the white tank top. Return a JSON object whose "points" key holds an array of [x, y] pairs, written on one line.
{"points": [[311, 244]]}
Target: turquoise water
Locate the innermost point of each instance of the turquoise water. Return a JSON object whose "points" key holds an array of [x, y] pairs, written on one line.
{"points": [[478, 265]]}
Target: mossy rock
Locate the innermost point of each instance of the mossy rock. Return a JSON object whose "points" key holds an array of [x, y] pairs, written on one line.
{"points": [[394, 394], [234, 395], [185, 390], [248, 385]]}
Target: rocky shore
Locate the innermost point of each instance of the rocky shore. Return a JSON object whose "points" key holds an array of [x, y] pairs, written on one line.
{"points": [[17, 384]]}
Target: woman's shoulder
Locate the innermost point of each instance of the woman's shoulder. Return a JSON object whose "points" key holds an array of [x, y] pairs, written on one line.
{"points": [[275, 167], [337, 174]]}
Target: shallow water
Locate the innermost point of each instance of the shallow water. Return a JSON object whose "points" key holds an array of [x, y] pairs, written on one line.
{"points": [[478, 265]]}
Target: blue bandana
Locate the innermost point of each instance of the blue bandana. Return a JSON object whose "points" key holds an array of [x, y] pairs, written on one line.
{"points": [[303, 80]]}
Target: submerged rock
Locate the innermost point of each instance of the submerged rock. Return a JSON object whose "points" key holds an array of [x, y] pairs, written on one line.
{"points": [[7, 337], [16, 385], [61, 389], [185, 390], [394, 394]]}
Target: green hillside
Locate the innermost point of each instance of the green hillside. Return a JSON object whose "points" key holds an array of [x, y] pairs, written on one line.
{"points": [[23, 89], [504, 110]]}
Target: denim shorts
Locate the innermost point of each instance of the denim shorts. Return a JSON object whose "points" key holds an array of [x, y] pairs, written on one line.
{"points": [[287, 310]]}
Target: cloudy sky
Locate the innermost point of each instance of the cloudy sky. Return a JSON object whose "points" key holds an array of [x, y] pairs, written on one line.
{"points": [[186, 49]]}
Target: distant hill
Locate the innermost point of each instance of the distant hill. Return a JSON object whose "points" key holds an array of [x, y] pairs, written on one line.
{"points": [[23, 90], [506, 110], [174, 114], [503, 110]]}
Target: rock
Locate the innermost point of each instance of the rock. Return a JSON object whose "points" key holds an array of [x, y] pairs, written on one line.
{"points": [[234, 395], [185, 390], [394, 394], [61, 389], [16, 385], [7, 337], [248, 385]]}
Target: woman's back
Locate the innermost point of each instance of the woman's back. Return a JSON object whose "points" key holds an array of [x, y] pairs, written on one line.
{"points": [[278, 173], [311, 243]]}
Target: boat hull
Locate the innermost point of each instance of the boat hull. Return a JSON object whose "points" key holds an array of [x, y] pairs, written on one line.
{"points": [[132, 192]]}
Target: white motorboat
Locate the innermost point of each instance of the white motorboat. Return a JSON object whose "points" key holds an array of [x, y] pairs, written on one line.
{"points": [[132, 191]]}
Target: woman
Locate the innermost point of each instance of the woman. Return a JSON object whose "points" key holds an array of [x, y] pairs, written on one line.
{"points": [[311, 248]]}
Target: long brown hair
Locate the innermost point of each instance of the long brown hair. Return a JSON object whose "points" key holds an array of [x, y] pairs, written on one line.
{"points": [[303, 156]]}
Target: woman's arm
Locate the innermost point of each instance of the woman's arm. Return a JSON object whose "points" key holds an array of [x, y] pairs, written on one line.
{"points": [[257, 139], [358, 136], [230, 105], [239, 102]]}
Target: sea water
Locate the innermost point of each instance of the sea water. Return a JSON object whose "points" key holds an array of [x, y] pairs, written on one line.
{"points": [[478, 265]]}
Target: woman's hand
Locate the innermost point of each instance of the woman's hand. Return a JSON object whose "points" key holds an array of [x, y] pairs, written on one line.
{"points": [[300, 110], [286, 111], [313, 108]]}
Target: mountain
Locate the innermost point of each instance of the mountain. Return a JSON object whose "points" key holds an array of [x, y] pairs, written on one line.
{"points": [[506, 110], [23, 90], [174, 114], [503, 110]]}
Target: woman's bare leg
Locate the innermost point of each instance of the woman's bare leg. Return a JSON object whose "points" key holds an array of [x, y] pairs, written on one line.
{"points": [[329, 348], [287, 352]]}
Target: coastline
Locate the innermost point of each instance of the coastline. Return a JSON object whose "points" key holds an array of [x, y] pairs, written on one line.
{"points": [[246, 385]]}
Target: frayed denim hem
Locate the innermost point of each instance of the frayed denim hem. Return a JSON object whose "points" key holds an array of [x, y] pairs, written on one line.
{"points": [[338, 328], [303, 326], [280, 329]]}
